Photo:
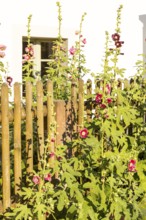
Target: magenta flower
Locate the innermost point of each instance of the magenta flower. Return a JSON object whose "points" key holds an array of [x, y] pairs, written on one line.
{"points": [[72, 50], [109, 100], [36, 180], [108, 89], [116, 37], [84, 41], [98, 98], [102, 106], [9, 80], [2, 47], [48, 177], [52, 154], [132, 166], [84, 133], [26, 57], [2, 54]]}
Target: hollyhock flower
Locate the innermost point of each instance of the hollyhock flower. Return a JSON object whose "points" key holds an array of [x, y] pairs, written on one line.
{"points": [[72, 50], [102, 106], [108, 89], [9, 80], [2, 47], [48, 177], [118, 44], [26, 57], [52, 154], [36, 180], [84, 133], [77, 32], [109, 100], [98, 98], [116, 37], [132, 166], [52, 139], [84, 41], [2, 54]]}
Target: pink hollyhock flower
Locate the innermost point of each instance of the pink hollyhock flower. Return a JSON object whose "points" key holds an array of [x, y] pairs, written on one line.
{"points": [[102, 106], [109, 100], [98, 98], [84, 41], [26, 57], [72, 50], [48, 177], [52, 154], [9, 80], [36, 180], [2, 54], [116, 37], [132, 166], [84, 133], [108, 89], [2, 47], [52, 139]]}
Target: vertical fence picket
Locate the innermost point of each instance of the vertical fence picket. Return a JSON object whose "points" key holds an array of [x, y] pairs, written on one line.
{"points": [[81, 104], [40, 121], [74, 107], [89, 101], [60, 120], [5, 147], [50, 118], [29, 127], [17, 136]]}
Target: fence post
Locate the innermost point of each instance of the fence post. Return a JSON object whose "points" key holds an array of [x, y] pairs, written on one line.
{"points": [[5, 147], [29, 127], [17, 136]]}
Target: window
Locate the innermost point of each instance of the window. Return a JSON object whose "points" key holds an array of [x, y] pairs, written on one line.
{"points": [[42, 52]]}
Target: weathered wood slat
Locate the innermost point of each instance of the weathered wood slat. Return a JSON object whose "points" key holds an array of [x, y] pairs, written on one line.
{"points": [[17, 135], [5, 147]]}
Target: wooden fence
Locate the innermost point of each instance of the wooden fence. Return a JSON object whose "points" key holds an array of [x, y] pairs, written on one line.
{"points": [[68, 117], [42, 112]]}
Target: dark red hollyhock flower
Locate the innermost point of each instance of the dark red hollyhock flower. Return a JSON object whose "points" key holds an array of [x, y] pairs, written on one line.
{"points": [[119, 43], [132, 166], [109, 100], [84, 133], [98, 98], [116, 37], [9, 80], [102, 106]]}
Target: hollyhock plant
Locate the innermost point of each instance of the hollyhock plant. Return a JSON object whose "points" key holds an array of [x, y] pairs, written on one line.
{"points": [[84, 133], [72, 50], [84, 41], [48, 177], [116, 37], [2, 47], [109, 100], [132, 166], [9, 80], [36, 180], [2, 54], [98, 98]]}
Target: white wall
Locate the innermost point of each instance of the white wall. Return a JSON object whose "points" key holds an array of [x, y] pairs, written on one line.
{"points": [[101, 17]]}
